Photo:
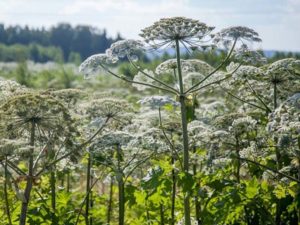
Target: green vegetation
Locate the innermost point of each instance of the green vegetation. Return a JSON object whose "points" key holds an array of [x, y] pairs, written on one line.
{"points": [[205, 138], [59, 43]]}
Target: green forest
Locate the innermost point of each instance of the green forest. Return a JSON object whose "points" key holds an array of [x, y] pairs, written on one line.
{"points": [[61, 43], [187, 126]]}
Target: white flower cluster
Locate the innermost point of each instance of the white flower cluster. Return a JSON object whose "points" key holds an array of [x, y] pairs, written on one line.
{"points": [[211, 109], [93, 64], [285, 120], [111, 140], [187, 66], [250, 152], [221, 162], [9, 88], [283, 66], [245, 55], [124, 48], [249, 72], [243, 125], [107, 107], [117, 50], [152, 139], [175, 28], [196, 127], [141, 78], [167, 66], [228, 35], [196, 65]]}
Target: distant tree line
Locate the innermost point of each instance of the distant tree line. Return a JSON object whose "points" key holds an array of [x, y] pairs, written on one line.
{"points": [[62, 42], [67, 43]]}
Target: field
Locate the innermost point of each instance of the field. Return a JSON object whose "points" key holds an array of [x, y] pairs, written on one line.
{"points": [[208, 134]]}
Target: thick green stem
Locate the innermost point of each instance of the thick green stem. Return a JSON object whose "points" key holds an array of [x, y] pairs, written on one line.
{"points": [[187, 218], [120, 179], [197, 202], [29, 182], [88, 184], [110, 200], [238, 163], [6, 192], [173, 192], [147, 210], [62, 180], [68, 181], [53, 196], [279, 166], [91, 199], [121, 202]]}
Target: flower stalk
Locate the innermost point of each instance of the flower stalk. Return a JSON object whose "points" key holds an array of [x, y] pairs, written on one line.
{"points": [[29, 182], [6, 192], [182, 97]]}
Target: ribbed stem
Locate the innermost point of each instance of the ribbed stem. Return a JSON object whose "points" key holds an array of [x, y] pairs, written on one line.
{"points": [[197, 202], [173, 193], [29, 183], [68, 181], [120, 180], [238, 162], [110, 199], [88, 184], [6, 193], [187, 218], [53, 196]]}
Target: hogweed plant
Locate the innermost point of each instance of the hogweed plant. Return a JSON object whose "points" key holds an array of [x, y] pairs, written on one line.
{"points": [[41, 121], [176, 32]]}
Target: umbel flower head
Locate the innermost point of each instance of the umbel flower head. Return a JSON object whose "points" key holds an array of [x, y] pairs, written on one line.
{"points": [[9, 88], [93, 63], [228, 35], [167, 30], [118, 50], [245, 55], [125, 48], [49, 115], [188, 66]]}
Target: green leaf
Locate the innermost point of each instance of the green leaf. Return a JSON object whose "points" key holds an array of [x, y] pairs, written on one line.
{"points": [[279, 192], [153, 178], [186, 181], [252, 189]]}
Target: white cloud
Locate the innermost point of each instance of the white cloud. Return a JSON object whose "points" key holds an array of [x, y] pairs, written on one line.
{"points": [[130, 6]]}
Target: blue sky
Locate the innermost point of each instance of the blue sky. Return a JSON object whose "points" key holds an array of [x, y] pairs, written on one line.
{"points": [[277, 21]]}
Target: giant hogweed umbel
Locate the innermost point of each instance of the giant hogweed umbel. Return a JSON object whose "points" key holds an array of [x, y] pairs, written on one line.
{"points": [[46, 126], [175, 33]]}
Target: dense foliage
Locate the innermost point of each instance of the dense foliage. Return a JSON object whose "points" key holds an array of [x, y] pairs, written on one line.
{"points": [[83, 40], [176, 141]]}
